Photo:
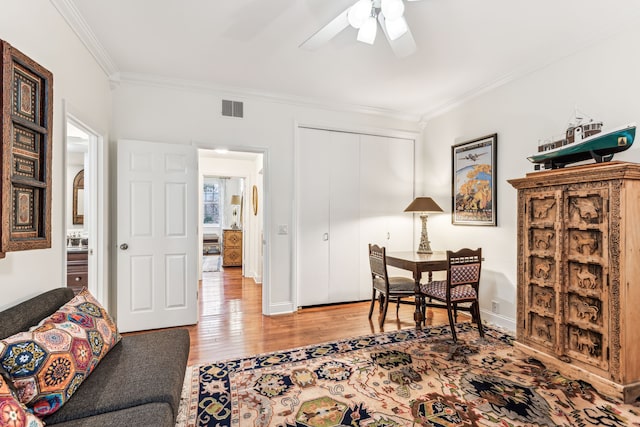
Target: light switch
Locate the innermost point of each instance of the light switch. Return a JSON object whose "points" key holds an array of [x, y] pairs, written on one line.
{"points": [[283, 229]]}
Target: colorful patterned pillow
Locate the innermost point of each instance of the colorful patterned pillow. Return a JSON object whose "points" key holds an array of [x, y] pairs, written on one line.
{"points": [[49, 362], [14, 413]]}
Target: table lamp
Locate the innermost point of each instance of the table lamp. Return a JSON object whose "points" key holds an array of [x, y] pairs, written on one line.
{"points": [[235, 201], [423, 205]]}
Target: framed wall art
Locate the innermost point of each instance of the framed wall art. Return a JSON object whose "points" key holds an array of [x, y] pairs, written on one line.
{"points": [[473, 182], [26, 118]]}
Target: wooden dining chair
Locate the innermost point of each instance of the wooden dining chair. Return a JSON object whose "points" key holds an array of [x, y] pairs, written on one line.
{"points": [[385, 287], [461, 286]]}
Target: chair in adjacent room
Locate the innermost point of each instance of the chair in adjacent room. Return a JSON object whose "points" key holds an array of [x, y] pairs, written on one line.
{"points": [[461, 286], [385, 287]]}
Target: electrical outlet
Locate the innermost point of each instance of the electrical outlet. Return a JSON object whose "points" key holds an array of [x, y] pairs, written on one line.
{"points": [[495, 307]]}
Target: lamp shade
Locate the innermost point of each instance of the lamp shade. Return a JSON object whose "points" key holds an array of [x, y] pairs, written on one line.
{"points": [[235, 200], [423, 204]]}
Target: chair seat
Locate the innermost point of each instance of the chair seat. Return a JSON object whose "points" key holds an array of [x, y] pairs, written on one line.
{"points": [[438, 289], [396, 284]]}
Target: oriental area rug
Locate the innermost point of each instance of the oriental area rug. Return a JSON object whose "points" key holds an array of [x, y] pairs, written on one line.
{"points": [[401, 378]]}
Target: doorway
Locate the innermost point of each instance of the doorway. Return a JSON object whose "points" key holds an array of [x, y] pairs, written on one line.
{"points": [[84, 225], [231, 206]]}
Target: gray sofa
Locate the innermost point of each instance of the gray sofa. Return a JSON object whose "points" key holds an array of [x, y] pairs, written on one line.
{"points": [[138, 383]]}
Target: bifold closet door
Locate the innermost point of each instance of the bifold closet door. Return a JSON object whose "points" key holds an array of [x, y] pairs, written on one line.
{"points": [[387, 181], [328, 214]]}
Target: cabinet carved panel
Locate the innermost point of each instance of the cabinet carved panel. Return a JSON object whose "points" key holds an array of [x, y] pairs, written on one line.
{"points": [[575, 249]]}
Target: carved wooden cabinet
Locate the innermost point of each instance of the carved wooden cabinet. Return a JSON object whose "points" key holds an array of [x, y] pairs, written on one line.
{"points": [[232, 248], [579, 273]]}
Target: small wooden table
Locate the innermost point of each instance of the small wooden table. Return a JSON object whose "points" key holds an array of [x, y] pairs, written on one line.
{"points": [[417, 264]]}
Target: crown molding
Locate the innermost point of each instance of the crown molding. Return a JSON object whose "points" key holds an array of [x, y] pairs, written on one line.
{"points": [[198, 86], [72, 15]]}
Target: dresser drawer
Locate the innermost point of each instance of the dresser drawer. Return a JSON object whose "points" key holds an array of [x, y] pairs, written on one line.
{"points": [[76, 279]]}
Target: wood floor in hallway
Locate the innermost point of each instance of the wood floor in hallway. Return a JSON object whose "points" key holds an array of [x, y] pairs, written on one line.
{"points": [[232, 325]]}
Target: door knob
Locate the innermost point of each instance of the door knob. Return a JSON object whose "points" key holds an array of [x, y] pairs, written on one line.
{"points": [[124, 246]]}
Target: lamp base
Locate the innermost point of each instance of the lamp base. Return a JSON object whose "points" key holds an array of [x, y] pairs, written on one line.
{"points": [[425, 246]]}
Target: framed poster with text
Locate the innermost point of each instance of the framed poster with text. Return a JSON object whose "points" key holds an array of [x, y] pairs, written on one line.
{"points": [[473, 189]]}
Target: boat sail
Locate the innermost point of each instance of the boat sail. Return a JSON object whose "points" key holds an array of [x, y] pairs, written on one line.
{"points": [[584, 140]]}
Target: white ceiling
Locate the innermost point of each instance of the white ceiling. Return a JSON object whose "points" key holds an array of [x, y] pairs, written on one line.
{"points": [[464, 46]]}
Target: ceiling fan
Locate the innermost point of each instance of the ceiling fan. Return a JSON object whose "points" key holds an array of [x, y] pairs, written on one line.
{"points": [[365, 15]]}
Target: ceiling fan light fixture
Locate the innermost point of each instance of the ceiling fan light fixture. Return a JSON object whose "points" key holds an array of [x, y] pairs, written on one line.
{"points": [[392, 9], [396, 28], [367, 33], [359, 12]]}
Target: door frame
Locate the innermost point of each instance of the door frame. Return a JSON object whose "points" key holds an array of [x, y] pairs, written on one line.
{"points": [[265, 208], [333, 127], [97, 214]]}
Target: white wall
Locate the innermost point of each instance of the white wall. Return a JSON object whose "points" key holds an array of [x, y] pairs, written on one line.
{"points": [[601, 81], [36, 28], [162, 113]]}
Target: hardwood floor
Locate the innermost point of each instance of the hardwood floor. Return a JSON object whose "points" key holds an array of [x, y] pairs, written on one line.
{"points": [[232, 325]]}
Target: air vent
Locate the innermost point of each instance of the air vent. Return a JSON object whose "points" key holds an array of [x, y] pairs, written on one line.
{"points": [[232, 108]]}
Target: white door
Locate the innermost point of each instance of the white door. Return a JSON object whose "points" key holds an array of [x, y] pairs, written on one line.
{"points": [[386, 176], [328, 213], [157, 235], [344, 216], [313, 218]]}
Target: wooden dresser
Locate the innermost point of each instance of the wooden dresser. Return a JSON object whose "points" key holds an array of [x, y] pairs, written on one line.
{"points": [[232, 248], [77, 269], [579, 273]]}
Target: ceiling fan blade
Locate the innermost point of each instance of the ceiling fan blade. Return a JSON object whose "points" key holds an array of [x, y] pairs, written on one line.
{"points": [[327, 32], [404, 45]]}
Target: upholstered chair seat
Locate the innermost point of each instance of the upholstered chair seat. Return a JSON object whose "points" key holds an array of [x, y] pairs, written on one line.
{"points": [[438, 289], [396, 284], [461, 287], [385, 287]]}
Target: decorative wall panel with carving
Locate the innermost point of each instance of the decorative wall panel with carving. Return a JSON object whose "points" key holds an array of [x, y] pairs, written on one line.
{"points": [[578, 289], [27, 94]]}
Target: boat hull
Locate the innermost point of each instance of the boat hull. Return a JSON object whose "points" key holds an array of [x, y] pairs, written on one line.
{"points": [[600, 147]]}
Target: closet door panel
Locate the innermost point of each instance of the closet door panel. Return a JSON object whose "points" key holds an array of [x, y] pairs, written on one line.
{"points": [[313, 218], [386, 175], [373, 211], [400, 175], [344, 214]]}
